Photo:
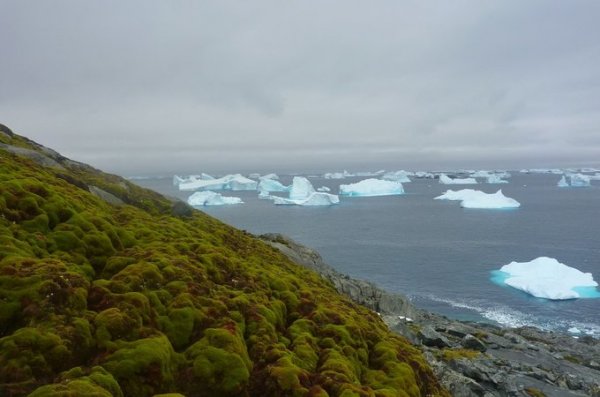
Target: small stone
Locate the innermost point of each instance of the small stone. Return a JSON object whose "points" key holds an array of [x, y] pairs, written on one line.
{"points": [[471, 342], [429, 337]]}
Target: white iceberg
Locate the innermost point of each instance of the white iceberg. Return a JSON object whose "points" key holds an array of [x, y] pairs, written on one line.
{"points": [[271, 185], [446, 180], [337, 175], [424, 174], [301, 188], [479, 200], [200, 199], [372, 187], [314, 199], [563, 182], [495, 179], [228, 182], [323, 189], [369, 173], [547, 278], [579, 180], [397, 176]]}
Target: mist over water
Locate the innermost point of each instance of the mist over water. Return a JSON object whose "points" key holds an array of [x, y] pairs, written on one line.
{"points": [[440, 255]]}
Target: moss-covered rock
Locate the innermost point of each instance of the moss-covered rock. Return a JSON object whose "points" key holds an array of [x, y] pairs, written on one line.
{"points": [[99, 299]]}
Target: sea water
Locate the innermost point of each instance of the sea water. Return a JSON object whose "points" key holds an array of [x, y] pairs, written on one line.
{"points": [[438, 254]]}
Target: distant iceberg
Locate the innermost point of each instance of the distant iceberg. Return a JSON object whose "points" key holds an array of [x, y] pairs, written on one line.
{"points": [[575, 180], [424, 174], [547, 278], [477, 199], [206, 198], [303, 193], [271, 185], [446, 180], [397, 176], [228, 182], [337, 175], [323, 189], [563, 182], [542, 171], [269, 176], [372, 187], [495, 179]]}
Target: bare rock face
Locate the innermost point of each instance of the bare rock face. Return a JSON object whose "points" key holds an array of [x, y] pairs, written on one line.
{"points": [[6, 131], [33, 155]]}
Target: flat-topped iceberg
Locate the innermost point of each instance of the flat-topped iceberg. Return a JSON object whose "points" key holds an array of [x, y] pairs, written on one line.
{"points": [[398, 176], [228, 182], [200, 199], [547, 278], [477, 199], [372, 187], [314, 199], [446, 180]]}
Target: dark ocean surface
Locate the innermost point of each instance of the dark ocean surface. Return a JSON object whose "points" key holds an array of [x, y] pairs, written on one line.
{"points": [[437, 253]]}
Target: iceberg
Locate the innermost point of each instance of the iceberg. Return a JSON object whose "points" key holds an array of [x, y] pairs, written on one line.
{"points": [[301, 188], [228, 182], [271, 185], [547, 278], [270, 176], [563, 182], [424, 174], [200, 199], [446, 180], [337, 175], [314, 199], [397, 176], [579, 180], [372, 187], [479, 200], [323, 189], [495, 179]]}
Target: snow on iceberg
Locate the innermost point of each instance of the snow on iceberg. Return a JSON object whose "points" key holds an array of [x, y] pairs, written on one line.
{"points": [[200, 199], [547, 278], [479, 200], [446, 180], [228, 182], [397, 176], [314, 199], [372, 187]]}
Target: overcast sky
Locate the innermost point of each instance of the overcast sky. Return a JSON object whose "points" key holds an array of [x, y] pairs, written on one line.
{"points": [[146, 87]]}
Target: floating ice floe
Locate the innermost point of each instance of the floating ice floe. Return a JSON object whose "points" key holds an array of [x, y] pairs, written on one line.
{"points": [[397, 176], [372, 187], [424, 174], [446, 180], [563, 182], [323, 189], [547, 278], [200, 199], [479, 200], [303, 193], [228, 182], [337, 175]]}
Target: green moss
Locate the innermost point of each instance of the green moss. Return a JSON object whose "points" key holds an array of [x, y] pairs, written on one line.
{"points": [[457, 354], [166, 304], [533, 392]]}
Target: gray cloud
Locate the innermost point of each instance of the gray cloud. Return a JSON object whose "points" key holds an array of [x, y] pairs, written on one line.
{"points": [[159, 87]]}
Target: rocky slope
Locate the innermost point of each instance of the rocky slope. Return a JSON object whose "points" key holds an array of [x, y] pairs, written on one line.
{"points": [[108, 289], [473, 359]]}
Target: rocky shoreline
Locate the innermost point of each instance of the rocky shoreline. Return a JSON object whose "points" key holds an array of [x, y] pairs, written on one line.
{"points": [[472, 359]]}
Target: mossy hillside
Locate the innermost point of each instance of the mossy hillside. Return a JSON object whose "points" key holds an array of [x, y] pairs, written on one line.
{"points": [[128, 300]]}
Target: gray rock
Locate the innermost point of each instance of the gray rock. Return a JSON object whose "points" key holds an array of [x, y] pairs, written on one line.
{"points": [[32, 155], [430, 337], [471, 342], [6, 131], [106, 196]]}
